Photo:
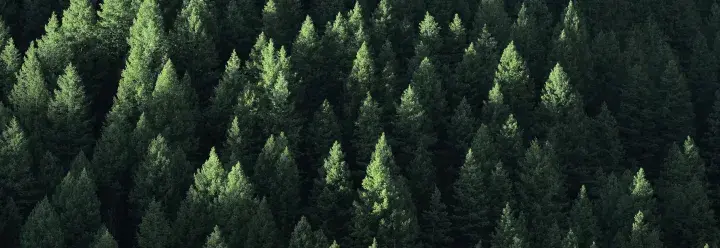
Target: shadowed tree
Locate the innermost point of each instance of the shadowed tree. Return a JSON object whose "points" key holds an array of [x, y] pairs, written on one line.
{"points": [[42, 228], [78, 208]]}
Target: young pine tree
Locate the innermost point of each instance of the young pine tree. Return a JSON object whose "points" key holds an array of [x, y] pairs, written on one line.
{"points": [[304, 237], [78, 208], [513, 79], [435, 223], [42, 227], [333, 194], [154, 229], [215, 240], [103, 239], [235, 206]]}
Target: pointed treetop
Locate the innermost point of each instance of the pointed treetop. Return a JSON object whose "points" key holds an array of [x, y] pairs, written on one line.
{"points": [[308, 35], [209, 179], [215, 239], [570, 240], [238, 184], [167, 79], [558, 92], [79, 18], [103, 239], [429, 28], [640, 185]]}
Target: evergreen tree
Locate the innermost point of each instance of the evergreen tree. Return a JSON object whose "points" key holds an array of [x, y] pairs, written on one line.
{"points": [[114, 20], [495, 111], [234, 206], [361, 80], [583, 220], [160, 176], [262, 229], [154, 230], [338, 59], [605, 150], [17, 179], [194, 49], [215, 240], [461, 130], [430, 92], [239, 25], [42, 228], [607, 68], [306, 59], [455, 42], [276, 177], [701, 79], [491, 15], [29, 98], [9, 65], [532, 33], [570, 240], [470, 215], [541, 190], [442, 9], [103, 239], [324, 130], [435, 223], [51, 52], [303, 236], [281, 19], [677, 109], [78, 208], [324, 11], [69, 130], [712, 145], [429, 42], [642, 234], [232, 83], [385, 209], [172, 110], [333, 194], [513, 78], [475, 71], [510, 230], [368, 128]]}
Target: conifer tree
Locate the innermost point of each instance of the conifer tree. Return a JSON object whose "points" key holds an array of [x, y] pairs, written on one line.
{"points": [[333, 194], [154, 230], [510, 230], [303, 236], [701, 78], [70, 128], [394, 221], [160, 176], [281, 19], [442, 9], [513, 78], [17, 180], [243, 144], [583, 220], [435, 223], [572, 51], [172, 110], [389, 75], [491, 14], [194, 46], [42, 227], [677, 109], [195, 218], [605, 150], [278, 88], [362, 79], [239, 25], [225, 98], [495, 110], [368, 128], [607, 67], [470, 217], [276, 177], [234, 206], [78, 208], [29, 98], [306, 58], [531, 33], [215, 240], [103, 239], [114, 20], [475, 71], [324, 130], [334, 245], [51, 52], [338, 58], [430, 92], [262, 229], [541, 190], [78, 24], [324, 11], [455, 41], [429, 42], [9, 65], [570, 240], [712, 145], [462, 124], [642, 234], [357, 24]]}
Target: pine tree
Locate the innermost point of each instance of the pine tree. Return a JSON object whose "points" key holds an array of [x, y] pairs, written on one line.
{"points": [[262, 229], [357, 23], [324, 130], [610, 217], [114, 20], [532, 33], [232, 83], [541, 190], [430, 92], [606, 150], [154, 230], [324, 11], [52, 53], [306, 58], [368, 127], [235, 206], [642, 234], [172, 110], [393, 221], [461, 130], [304, 237], [442, 9], [513, 78], [78, 27], [677, 109], [435, 223], [281, 19], [194, 46], [712, 145], [470, 217], [510, 230], [68, 115], [570, 240], [701, 78], [333, 194], [243, 144], [103, 239], [583, 220], [572, 51], [455, 41], [495, 111], [17, 180], [276, 176], [338, 58], [334, 245], [42, 228], [9, 65], [160, 176], [362, 79], [215, 240], [29, 98], [475, 71], [491, 15], [238, 26], [429, 42], [78, 208], [607, 67]]}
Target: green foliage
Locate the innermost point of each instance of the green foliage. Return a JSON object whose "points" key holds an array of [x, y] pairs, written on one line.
{"points": [[513, 78], [103, 239], [430, 93], [470, 217], [78, 208], [17, 179], [607, 67], [572, 51], [583, 220], [362, 79], [234, 206], [9, 65], [215, 240], [276, 177], [42, 228], [435, 223], [154, 230], [304, 237], [368, 128], [238, 26], [532, 33], [491, 15], [461, 126], [262, 229], [232, 83], [429, 42], [323, 131], [642, 234], [510, 230], [306, 58], [68, 115], [476, 70], [114, 20], [281, 19], [333, 194]]}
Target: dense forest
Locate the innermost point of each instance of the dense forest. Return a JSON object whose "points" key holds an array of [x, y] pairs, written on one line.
{"points": [[354, 124]]}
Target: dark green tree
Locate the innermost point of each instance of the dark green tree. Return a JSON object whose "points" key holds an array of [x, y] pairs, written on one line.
{"points": [[430, 93], [154, 229], [642, 234], [281, 20], [303, 236], [51, 52], [532, 33], [470, 214], [10, 62], [324, 11], [491, 14], [306, 59], [435, 223], [78, 208], [384, 209], [455, 41], [68, 115], [607, 68], [323, 131], [262, 229], [462, 123], [429, 43], [333, 194], [510, 230], [368, 128], [239, 25], [227, 92], [513, 78], [103, 239], [42, 228], [711, 139], [476, 70], [114, 20], [215, 240], [235, 205], [583, 220], [677, 108], [605, 150], [362, 79], [17, 179], [701, 79]]}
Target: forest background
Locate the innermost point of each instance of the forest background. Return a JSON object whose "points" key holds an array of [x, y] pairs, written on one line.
{"points": [[340, 123]]}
